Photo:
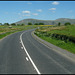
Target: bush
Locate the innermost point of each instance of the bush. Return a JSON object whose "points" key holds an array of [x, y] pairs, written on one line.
{"points": [[68, 23], [41, 23], [6, 24], [29, 23], [13, 24], [59, 24], [36, 24]]}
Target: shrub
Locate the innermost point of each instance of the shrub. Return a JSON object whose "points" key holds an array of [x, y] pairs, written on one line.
{"points": [[59, 24], [29, 23], [68, 23]]}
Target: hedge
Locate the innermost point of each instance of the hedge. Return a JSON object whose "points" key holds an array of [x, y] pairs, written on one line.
{"points": [[57, 36]]}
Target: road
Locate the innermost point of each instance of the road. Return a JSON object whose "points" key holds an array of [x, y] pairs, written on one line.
{"points": [[20, 53]]}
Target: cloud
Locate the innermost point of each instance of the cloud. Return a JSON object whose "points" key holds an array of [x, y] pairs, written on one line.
{"points": [[55, 3], [39, 10], [35, 14], [52, 9], [28, 12], [19, 13], [29, 3], [72, 17], [70, 11], [26, 15], [20, 17]]}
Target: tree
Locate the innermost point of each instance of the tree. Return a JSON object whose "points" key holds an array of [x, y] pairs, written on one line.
{"points": [[18, 24], [22, 24], [0, 23], [7, 24], [41, 23], [67, 23], [59, 24], [36, 24], [13, 24], [29, 23]]}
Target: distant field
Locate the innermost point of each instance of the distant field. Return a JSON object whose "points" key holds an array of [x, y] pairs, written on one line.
{"points": [[5, 30], [45, 25], [65, 30], [50, 34]]}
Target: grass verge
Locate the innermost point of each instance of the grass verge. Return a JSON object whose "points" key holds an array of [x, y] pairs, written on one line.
{"points": [[69, 46]]}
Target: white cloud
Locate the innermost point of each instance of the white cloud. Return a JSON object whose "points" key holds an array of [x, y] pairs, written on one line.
{"points": [[55, 3], [35, 14], [28, 12], [70, 11], [72, 17], [20, 17], [26, 15], [29, 3], [52, 9], [19, 13], [39, 10]]}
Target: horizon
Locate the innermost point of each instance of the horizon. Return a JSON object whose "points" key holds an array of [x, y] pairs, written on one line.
{"points": [[45, 20], [14, 11]]}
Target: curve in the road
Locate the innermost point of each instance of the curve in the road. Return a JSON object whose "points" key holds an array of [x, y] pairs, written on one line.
{"points": [[20, 52], [28, 54]]}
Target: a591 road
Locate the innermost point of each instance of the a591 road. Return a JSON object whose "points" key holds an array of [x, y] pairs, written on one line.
{"points": [[20, 53]]}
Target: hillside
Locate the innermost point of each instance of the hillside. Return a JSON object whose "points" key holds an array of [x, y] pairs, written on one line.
{"points": [[47, 22]]}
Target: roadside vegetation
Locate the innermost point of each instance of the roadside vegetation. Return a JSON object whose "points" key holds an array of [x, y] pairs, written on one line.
{"points": [[9, 29], [60, 35], [6, 28]]}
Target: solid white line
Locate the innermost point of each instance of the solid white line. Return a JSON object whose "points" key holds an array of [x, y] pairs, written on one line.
{"points": [[50, 57], [29, 55]]}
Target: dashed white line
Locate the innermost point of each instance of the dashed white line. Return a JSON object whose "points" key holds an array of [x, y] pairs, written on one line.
{"points": [[21, 47], [29, 55], [27, 59]]}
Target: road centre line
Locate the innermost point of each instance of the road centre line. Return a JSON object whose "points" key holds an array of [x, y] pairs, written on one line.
{"points": [[28, 54], [21, 47], [27, 59]]}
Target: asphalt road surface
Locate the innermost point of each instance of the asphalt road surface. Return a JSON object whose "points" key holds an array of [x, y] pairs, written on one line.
{"points": [[20, 53]]}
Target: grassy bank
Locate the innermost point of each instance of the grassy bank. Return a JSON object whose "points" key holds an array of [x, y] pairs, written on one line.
{"points": [[5, 30], [67, 30]]}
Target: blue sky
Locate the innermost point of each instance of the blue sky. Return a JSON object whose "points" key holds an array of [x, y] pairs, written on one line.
{"points": [[13, 11]]}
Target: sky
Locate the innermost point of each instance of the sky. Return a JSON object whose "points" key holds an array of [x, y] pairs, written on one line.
{"points": [[13, 11]]}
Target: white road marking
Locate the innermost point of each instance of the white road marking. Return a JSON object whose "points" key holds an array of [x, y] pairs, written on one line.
{"points": [[21, 47], [50, 57], [29, 55], [27, 59]]}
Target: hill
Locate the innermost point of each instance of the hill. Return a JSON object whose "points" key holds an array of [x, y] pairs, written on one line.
{"points": [[47, 22]]}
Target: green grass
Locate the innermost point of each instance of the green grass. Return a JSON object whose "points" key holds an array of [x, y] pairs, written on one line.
{"points": [[67, 30], [3, 35], [67, 46], [5, 30]]}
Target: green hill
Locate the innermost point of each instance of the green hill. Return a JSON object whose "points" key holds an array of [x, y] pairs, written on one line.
{"points": [[47, 22]]}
